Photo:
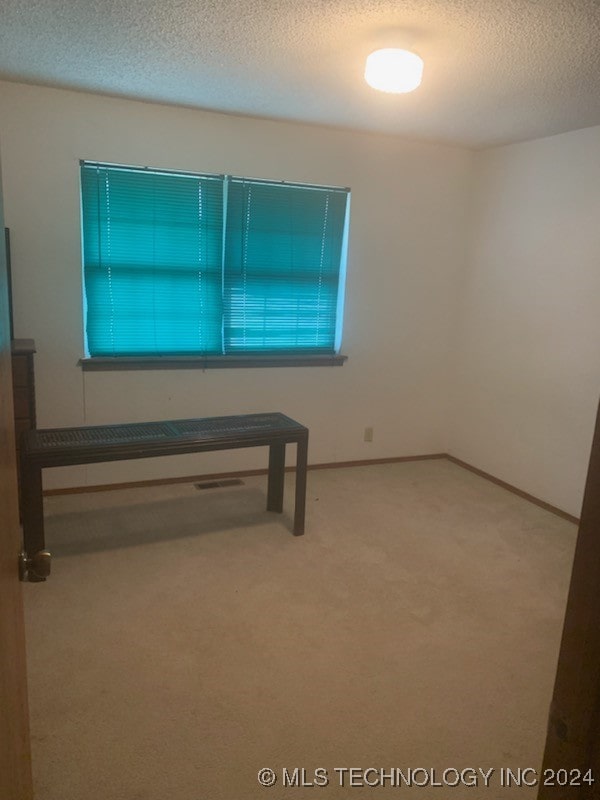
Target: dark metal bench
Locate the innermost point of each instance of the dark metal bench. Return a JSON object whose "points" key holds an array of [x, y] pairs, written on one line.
{"points": [[59, 447]]}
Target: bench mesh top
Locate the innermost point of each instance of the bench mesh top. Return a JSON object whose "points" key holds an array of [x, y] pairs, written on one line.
{"points": [[210, 428]]}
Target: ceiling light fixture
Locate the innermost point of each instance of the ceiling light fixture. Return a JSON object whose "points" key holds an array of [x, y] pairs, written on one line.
{"points": [[394, 70]]}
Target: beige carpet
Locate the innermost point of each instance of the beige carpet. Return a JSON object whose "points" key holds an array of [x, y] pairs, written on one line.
{"points": [[186, 639]]}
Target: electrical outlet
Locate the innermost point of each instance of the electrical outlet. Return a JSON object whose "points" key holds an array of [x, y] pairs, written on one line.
{"points": [[368, 434]]}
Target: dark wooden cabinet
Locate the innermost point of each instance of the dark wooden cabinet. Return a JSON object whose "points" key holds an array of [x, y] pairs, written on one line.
{"points": [[23, 375]]}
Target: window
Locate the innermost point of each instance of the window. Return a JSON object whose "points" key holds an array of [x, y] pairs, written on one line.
{"points": [[204, 265]]}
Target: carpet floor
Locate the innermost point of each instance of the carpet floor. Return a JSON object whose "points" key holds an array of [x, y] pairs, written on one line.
{"points": [[186, 640]]}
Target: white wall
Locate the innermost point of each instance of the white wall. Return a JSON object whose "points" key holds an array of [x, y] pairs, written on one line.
{"points": [[408, 232], [527, 368]]}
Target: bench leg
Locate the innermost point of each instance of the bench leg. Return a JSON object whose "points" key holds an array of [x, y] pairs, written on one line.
{"points": [[276, 477], [300, 505], [33, 510]]}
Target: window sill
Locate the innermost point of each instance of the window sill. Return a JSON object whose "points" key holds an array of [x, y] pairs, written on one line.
{"points": [[102, 364]]}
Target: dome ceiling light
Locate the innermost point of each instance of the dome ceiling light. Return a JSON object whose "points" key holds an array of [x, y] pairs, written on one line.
{"points": [[394, 70]]}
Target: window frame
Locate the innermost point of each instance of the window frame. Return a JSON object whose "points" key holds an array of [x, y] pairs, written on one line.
{"points": [[236, 359]]}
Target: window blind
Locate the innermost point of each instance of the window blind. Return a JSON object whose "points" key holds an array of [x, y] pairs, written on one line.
{"points": [[152, 261], [178, 263], [282, 266]]}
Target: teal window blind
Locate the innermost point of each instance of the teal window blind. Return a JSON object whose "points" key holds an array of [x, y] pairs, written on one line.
{"points": [[152, 245], [282, 266], [180, 264]]}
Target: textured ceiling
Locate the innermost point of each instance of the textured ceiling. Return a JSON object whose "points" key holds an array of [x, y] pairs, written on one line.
{"points": [[495, 70]]}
